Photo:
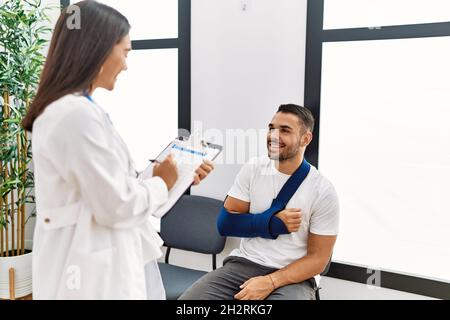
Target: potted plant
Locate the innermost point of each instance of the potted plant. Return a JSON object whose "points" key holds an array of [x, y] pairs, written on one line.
{"points": [[24, 33]]}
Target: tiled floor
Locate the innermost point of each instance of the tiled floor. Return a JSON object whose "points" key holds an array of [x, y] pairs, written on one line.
{"points": [[336, 289]]}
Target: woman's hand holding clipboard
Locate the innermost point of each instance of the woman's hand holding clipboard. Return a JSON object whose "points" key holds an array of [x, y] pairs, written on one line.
{"points": [[181, 164], [167, 170]]}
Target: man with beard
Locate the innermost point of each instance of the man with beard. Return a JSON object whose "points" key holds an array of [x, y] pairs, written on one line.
{"points": [[284, 248]]}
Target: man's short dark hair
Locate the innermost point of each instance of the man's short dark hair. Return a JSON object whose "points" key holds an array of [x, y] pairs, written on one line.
{"points": [[304, 115]]}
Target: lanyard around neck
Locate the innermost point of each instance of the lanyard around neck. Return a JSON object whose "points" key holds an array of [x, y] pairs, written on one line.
{"points": [[86, 94]]}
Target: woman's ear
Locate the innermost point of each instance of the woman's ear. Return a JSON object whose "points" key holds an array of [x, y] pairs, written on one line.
{"points": [[98, 78]]}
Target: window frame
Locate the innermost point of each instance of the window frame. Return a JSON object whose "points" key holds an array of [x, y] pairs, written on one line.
{"points": [[183, 44], [315, 37]]}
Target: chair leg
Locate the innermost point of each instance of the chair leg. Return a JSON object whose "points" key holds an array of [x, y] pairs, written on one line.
{"points": [[166, 259], [214, 261]]}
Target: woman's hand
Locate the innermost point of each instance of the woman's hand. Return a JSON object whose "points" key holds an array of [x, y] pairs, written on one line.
{"points": [[202, 171], [166, 170]]}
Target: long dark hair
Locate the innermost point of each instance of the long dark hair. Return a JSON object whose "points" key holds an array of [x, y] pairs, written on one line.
{"points": [[76, 55]]}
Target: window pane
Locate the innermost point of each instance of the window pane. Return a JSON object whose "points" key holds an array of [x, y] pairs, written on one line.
{"points": [[385, 144], [144, 104], [341, 14], [149, 19]]}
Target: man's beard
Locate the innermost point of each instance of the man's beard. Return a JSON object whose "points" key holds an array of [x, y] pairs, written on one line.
{"points": [[287, 153]]}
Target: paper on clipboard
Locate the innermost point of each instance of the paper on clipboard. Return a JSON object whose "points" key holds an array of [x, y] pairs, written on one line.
{"points": [[188, 155]]}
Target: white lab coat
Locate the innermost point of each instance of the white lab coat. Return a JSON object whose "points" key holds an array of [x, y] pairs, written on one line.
{"points": [[93, 235]]}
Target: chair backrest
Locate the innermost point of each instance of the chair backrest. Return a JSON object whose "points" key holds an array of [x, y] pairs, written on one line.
{"points": [[192, 225]]}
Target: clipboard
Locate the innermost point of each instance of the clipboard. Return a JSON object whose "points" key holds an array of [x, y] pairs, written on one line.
{"points": [[188, 155]]}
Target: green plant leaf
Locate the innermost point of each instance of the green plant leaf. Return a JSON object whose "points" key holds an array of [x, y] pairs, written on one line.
{"points": [[24, 30]]}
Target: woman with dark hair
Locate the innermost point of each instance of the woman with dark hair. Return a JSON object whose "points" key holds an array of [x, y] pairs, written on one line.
{"points": [[93, 236]]}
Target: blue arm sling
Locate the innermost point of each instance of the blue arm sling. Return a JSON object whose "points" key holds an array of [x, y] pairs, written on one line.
{"points": [[265, 224]]}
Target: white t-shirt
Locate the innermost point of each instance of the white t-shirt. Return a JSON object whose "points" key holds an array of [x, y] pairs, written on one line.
{"points": [[259, 182]]}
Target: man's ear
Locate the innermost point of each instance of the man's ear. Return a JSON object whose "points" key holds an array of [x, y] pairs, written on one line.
{"points": [[306, 138]]}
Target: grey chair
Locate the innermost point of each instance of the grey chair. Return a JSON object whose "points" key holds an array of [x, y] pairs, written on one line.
{"points": [[190, 225], [324, 272]]}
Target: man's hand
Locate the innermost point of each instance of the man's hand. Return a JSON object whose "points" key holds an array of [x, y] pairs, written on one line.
{"points": [[205, 168], [292, 218], [257, 288]]}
